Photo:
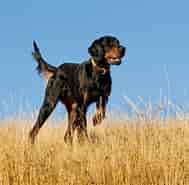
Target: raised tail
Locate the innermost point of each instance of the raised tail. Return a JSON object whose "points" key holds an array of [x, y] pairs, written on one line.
{"points": [[43, 68]]}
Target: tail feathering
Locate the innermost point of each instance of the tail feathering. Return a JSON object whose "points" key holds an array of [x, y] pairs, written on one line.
{"points": [[43, 67]]}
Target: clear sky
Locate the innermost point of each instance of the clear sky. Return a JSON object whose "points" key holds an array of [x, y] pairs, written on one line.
{"points": [[156, 34]]}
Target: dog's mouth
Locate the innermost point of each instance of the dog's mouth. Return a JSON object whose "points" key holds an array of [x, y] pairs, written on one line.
{"points": [[114, 55], [113, 60]]}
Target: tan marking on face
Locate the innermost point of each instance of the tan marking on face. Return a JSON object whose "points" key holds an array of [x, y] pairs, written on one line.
{"points": [[113, 54], [47, 75]]}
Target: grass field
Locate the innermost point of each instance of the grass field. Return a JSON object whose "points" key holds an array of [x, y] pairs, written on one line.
{"points": [[131, 152]]}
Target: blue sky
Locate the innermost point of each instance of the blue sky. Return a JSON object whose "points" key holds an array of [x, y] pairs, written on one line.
{"points": [[156, 34]]}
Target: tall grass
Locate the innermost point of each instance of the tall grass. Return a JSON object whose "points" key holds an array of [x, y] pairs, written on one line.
{"points": [[131, 152]]}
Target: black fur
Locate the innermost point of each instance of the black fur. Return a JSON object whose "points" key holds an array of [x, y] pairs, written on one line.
{"points": [[77, 86], [42, 64]]}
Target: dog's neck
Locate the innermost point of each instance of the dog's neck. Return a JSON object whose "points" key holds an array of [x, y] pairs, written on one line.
{"points": [[98, 69]]}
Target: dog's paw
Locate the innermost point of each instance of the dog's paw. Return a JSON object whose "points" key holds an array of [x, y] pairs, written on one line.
{"points": [[97, 118]]}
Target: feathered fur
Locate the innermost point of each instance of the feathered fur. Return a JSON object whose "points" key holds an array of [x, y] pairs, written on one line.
{"points": [[43, 68]]}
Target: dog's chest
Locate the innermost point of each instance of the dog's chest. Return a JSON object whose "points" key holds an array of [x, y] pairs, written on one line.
{"points": [[96, 86], [101, 86]]}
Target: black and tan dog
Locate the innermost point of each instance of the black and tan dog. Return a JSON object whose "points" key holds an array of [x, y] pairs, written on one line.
{"points": [[79, 85]]}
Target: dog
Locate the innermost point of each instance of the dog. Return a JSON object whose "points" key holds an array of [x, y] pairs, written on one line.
{"points": [[79, 85]]}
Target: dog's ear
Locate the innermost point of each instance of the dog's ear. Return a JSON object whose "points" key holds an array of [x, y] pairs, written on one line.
{"points": [[96, 50]]}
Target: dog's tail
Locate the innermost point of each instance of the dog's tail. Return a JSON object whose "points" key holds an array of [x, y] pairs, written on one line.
{"points": [[43, 68]]}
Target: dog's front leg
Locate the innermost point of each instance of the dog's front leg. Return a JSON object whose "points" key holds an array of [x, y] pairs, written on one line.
{"points": [[100, 110]]}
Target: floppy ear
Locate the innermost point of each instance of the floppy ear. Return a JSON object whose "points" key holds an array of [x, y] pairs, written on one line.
{"points": [[96, 50]]}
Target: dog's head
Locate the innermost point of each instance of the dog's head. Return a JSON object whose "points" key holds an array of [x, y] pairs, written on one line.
{"points": [[106, 51]]}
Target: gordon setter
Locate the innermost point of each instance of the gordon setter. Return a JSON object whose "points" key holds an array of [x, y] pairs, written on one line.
{"points": [[79, 85]]}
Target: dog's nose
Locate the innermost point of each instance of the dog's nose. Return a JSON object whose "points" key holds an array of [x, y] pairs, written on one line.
{"points": [[122, 51]]}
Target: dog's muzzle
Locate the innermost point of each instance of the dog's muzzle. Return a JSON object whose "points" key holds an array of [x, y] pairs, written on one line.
{"points": [[114, 61]]}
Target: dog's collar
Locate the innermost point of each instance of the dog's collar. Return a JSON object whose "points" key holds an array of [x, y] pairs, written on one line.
{"points": [[99, 69]]}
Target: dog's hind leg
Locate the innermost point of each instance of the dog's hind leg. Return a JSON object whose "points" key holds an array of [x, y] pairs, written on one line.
{"points": [[52, 94], [82, 126], [76, 120], [72, 123], [82, 130]]}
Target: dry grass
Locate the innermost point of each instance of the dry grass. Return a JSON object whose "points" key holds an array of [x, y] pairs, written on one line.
{"points": [[128, 152]]}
